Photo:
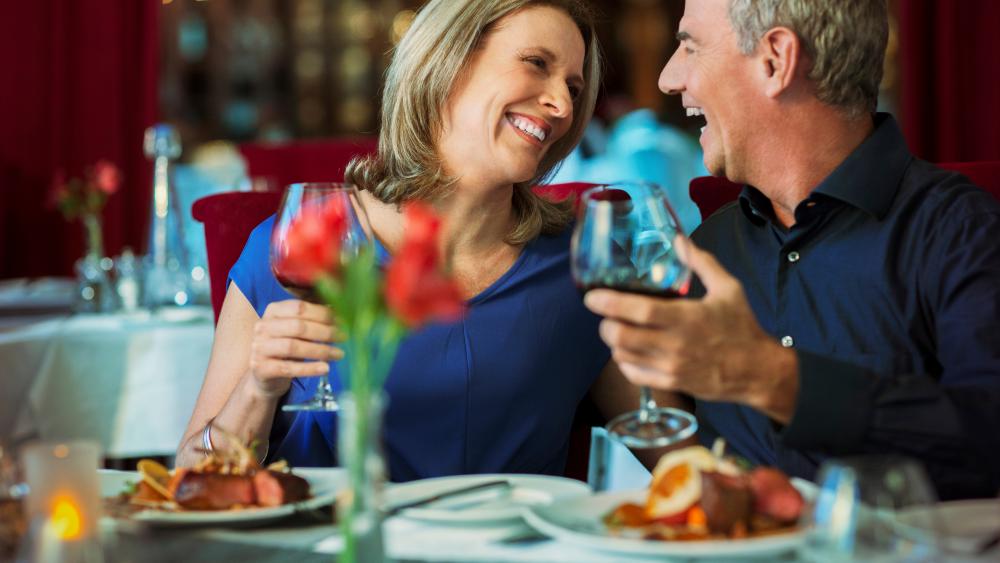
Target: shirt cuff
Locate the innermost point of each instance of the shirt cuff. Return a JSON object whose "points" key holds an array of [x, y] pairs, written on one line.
{"points": [[834, 405]]}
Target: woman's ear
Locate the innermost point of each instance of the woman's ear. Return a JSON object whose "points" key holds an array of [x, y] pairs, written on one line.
{"points": [[781, 57]]}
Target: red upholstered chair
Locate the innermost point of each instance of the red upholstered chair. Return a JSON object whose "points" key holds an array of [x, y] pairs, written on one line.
{"points": [[304, 161], [710, 193], [230, 217]]}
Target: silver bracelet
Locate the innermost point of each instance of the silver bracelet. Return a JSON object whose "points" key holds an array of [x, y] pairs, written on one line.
{"points": [[206, 437], [206, 441]]}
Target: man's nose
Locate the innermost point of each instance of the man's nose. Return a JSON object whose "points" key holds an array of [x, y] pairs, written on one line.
{"points": [[671, 79]]}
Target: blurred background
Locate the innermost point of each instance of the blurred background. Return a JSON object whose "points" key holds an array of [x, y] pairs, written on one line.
{"points": [[242, 81]]}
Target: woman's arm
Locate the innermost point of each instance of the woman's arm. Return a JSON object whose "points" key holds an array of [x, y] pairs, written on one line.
{"points": [[614, 394], [253, 361]]}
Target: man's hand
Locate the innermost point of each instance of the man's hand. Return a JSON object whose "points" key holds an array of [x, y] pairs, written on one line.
{"points": [[711, 348]]}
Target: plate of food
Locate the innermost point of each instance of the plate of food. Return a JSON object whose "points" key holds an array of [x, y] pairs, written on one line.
{"points": [[479, 499], [221, 490], [698, 505]]}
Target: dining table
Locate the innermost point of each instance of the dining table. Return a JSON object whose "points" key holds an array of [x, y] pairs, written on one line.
{"points": [[311, 534], [127, 379]]}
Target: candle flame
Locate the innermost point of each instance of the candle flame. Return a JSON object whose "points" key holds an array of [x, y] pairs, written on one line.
{"points": [[65, 519]]}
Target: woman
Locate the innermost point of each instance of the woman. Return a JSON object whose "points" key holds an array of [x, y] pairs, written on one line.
{"points": [[483, 98]]}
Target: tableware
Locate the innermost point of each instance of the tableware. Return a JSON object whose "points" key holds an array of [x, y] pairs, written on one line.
{"points": [[311, 202], [964, 527], [495, 505], [324, 483], [857, 512], [624, 240], [501, 485], [579, 521]]}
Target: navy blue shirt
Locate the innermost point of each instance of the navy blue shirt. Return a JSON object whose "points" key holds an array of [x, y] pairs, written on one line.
{"points": [[492, 393], [888, 288]]}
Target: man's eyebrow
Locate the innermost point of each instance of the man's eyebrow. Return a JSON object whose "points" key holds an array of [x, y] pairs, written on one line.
{"points": [[685, 36]]}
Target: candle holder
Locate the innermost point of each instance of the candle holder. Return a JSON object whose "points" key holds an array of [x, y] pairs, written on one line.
{"points": [[63, 502]]}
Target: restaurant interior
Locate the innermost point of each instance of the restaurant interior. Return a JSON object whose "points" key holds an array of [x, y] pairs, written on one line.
{"points": [[142, 142]]}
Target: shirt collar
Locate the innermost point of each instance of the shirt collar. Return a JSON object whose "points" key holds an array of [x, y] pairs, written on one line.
{"points": [[867, 179]]}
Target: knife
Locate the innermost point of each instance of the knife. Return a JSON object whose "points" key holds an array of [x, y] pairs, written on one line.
{"points": [[503, 483]]}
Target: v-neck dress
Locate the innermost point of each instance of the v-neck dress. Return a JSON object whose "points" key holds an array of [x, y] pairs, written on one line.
{"points": [[492, 393]]}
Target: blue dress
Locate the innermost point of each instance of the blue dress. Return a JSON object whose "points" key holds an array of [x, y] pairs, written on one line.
{"points": [[492, 393]]}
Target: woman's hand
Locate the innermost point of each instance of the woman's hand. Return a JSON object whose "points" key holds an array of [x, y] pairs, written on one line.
{"points": [[288, 333]]}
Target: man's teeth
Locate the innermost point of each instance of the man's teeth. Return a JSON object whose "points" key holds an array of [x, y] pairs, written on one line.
{"points": [[529, 128], [694, 112]]}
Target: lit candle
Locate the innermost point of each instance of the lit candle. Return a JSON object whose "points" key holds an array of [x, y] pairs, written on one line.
{"points": [[64, 489]]}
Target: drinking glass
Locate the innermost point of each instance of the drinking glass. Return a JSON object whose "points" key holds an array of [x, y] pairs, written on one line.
{"points": [[624, 240], [300, 200], [872, 508]]}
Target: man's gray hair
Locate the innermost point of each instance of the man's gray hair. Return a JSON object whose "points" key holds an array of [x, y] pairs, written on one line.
{"points": [[844, 39]]}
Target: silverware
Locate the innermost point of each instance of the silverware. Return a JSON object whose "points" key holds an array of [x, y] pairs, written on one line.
{"points": [[447, 494]]}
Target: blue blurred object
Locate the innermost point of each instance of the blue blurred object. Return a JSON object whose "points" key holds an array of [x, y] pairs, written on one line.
{"points": [[639, 147]]}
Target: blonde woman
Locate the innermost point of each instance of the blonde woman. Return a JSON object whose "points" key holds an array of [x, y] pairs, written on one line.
{"points": [[482, 99]]}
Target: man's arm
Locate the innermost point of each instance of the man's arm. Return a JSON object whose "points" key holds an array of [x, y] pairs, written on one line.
{"points": [[712, 348]]}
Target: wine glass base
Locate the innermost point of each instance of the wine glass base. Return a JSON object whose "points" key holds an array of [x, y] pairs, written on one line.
{"points": [[316, 404], [652, 428]]}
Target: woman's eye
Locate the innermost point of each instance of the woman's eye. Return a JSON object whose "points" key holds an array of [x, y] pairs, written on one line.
{"points": [[574, 92], [537, 61]]}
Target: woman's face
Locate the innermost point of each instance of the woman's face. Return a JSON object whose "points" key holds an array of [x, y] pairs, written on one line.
{"points": [[514, 99]]}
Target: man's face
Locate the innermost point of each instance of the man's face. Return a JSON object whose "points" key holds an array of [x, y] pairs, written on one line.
{"points": [[714, 80]]}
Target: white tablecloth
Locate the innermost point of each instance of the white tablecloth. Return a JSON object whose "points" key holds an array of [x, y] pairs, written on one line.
{"points": [[127, 381]]}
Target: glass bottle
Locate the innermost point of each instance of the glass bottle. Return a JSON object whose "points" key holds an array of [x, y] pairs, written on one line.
{"points": [[166, 272]]}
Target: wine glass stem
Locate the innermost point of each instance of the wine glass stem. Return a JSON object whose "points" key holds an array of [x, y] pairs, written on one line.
{"points": [[647, 405]]}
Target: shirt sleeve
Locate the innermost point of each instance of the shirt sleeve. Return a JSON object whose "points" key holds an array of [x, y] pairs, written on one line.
{"points": [[252, 271], [949, 421]]}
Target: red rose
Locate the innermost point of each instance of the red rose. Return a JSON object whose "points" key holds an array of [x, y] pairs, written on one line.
{"points": [[311, 246], [106, 177], [416, 288]]}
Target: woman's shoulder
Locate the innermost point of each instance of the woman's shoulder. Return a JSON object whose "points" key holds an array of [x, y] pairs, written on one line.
{"points": [[252, 270]]}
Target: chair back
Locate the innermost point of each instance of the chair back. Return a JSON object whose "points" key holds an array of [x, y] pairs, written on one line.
{"points": [[710, 193], [304, 161], [228, 219]]}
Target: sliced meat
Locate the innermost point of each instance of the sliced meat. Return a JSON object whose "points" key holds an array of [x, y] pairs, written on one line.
{"points": [[774, 495], [726, 500], [214, 491], [274, 488]]}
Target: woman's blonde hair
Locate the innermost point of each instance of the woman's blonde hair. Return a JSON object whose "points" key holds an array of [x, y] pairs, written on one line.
{"points": [[425, 67]]}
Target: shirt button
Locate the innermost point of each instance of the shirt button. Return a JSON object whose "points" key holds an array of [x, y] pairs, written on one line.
{"points": [[793, 257], [787, 341]]}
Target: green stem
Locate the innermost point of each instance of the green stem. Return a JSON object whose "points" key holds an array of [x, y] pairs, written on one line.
{"points": [[95, 241]]}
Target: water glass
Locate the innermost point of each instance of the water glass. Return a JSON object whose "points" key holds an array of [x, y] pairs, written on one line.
{"points": [[872, 508]]}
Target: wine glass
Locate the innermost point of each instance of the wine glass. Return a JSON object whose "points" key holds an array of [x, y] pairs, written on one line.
{"points": [[624, 240], [872, 508], [299, 201]]}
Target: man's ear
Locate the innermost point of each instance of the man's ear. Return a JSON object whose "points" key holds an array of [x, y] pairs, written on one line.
{"points": [[781, 53]]}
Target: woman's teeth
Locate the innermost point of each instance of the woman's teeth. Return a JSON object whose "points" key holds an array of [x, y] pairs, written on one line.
{"points": [[528, 127]]}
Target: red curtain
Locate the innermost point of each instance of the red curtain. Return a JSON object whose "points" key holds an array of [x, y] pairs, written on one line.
{"points": [[951, 78], [79, 85]]}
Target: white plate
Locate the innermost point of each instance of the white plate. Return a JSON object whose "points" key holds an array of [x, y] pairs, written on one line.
{"points": [[485, 507], [324, 483], [579, 521], [962, 525]]}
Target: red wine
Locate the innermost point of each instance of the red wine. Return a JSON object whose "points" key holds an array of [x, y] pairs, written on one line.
{"points": [[663, 293], [298, 290]]}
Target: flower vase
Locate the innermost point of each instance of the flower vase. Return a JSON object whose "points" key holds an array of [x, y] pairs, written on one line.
{"points": [[359, 446], [94, 291]]}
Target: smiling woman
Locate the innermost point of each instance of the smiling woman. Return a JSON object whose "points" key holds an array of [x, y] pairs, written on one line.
{"points": [[482, 99], [475, 54]]}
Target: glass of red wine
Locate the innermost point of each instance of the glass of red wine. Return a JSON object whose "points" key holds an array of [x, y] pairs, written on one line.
{"points": [[624, 240], [298, 201]]}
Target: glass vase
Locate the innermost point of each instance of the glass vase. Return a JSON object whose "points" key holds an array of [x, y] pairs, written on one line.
{"points": [[94, 291], [359, 446]]}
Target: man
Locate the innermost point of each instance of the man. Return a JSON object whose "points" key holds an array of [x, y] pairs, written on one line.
{"points": [[851, 296]]}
